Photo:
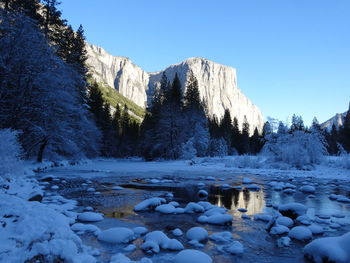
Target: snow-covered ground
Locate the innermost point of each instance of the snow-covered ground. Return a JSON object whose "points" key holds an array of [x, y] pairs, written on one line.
{"points": [[60, 228], [217, 167]]}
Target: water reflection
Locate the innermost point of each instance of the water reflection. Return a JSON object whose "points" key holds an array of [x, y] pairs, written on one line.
{"points": [[233, 199]]}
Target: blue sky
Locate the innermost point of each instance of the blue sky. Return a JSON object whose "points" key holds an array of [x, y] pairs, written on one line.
{"points": [[291, 56]]}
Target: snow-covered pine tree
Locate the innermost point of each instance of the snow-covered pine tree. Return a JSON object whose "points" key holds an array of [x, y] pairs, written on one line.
{"points": [[196, 128]]}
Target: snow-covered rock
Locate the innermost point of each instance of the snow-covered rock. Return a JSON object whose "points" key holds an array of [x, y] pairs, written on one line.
{"points": [[177, 232], [193, 208], [192, 256], [140, 230], [162, 240], [149, 203], [329, 249], [310, 189], [292, 210], [116, 235], [235, 248], [166, 209], [301, 233], [197, 234], [90, 217], [279, 230], [316, 229], [285, 221]]}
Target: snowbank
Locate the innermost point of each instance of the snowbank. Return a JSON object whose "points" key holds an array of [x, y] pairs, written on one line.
{"points": [[329, 249], [35, 230]]}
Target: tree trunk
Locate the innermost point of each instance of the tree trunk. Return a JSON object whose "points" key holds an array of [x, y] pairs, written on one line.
{"points": [[41, 151]]}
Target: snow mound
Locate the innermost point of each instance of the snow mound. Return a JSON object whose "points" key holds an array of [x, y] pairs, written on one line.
{"points": [[140, 230], [316, 229], [193, 208], [162, 240], [30, 229], [215, 210], [166, 209], [149, 203], [235, 248], [309, 189], [216, 219], [197, 234], [177, 232], [90, 217], [301, 233], [116, 235], [192, 256], [329, 249], [150, 247], [285, 221], [279, 230]]}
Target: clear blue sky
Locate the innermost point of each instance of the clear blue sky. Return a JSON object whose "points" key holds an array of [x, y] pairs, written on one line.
{"points": [[291, 56]]}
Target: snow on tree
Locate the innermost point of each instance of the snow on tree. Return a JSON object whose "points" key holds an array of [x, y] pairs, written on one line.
{"points": [[282, 128], [218, 147], [10, 153], [297, 149], [38, 94], [188, 151]]}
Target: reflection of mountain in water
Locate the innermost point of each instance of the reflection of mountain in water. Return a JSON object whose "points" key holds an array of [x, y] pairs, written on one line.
{"points": [[233, 199]]}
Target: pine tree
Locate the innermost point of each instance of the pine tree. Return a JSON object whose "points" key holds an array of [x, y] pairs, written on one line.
{"points": [[255, 142], [169, 136], [150, 124], [332, 139], [345, 132], [236, 134], [282, 128], [244, 141], [297, 124], [226, 127]]}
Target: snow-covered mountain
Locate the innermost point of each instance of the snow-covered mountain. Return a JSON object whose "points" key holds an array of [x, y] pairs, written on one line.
{"points": [[337, 120], [217, 83]]}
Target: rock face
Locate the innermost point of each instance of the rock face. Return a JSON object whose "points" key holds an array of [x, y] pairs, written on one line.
{"points": [[337, 120], [217, 83], [119, 73]]}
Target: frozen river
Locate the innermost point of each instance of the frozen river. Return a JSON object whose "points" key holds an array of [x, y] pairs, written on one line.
{"points": [[226, 191]]}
